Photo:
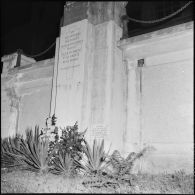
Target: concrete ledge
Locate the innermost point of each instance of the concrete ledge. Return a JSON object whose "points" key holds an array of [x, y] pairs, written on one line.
{"points": [[163, 33]]}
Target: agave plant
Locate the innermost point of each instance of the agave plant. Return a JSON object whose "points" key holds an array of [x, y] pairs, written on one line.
{"points": [[94, 159], [35, 151], [32, 153], [8, 152], [8, 144], [63, 164]]}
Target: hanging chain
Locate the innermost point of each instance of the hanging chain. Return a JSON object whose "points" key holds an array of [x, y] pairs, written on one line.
{"points": [[161, 19], [43, 52]]}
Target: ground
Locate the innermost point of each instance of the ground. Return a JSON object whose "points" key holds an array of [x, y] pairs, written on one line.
{"points": [[28, 182]]}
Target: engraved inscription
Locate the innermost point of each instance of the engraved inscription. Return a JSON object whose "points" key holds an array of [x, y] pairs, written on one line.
{"points": [[72, 53], [71, 47], [99, 131]]}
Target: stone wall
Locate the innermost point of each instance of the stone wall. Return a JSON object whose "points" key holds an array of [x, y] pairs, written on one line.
{"points": [[26, 95], [130, 107], [160, 97]]}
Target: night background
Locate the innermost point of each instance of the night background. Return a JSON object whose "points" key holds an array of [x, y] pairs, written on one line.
{"points": [[34, 25]]}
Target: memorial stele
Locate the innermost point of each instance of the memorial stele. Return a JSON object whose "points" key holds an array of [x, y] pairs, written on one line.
{"points": [[87, 52]]}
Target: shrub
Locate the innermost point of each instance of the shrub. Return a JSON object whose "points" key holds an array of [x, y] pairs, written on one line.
{"points": [[122, 166], [38, 153], [94, 159], [71, 142]]}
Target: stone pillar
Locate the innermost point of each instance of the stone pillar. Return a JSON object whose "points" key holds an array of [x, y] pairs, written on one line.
{"points": [[133, 130], [90, 74], [96, 12]]}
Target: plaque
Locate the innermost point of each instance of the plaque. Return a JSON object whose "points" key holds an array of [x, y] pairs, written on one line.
{"points": [[70, 74]]}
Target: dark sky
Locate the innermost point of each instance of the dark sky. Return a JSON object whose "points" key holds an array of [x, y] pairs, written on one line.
{"points": [[34, 25], [30, 25]]}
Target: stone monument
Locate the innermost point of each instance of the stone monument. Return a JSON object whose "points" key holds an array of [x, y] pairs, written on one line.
{"points": [[89, 72]]}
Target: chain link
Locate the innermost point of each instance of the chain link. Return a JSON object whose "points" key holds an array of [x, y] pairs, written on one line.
{"points": [[161, 19], [32, 56], [131, 19]]}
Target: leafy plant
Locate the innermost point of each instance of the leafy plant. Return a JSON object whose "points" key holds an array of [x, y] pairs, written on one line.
{"points": [[94, 159], [35, 151], [124, 166], [63, 164], [8, 152], [31, 153], [71, 142]]}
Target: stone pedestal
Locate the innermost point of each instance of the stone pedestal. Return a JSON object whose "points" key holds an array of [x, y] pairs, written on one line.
{"points": [[90, 74]]}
